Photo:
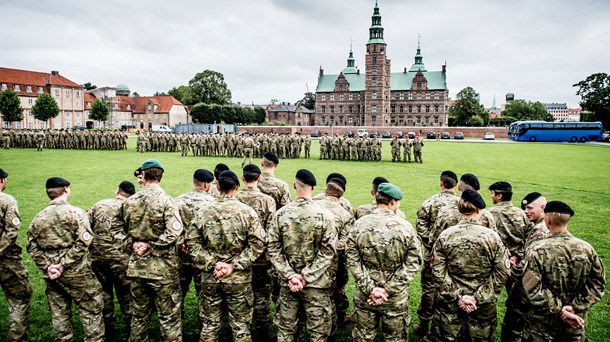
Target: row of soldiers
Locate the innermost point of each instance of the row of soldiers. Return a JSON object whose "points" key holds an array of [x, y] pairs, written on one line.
{"points": [[150, 247], [407, 145], [64, 139], [347, 148]]}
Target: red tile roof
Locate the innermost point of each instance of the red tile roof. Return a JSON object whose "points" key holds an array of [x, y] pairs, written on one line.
{"points": [[24, 78], [164, 103]]}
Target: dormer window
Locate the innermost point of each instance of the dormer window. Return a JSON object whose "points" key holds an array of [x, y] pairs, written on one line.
{"points": [[16, 87]]}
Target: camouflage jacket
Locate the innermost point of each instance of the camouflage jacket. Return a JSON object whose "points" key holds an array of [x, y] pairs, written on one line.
{"points": [[227, 231], [192, 202], [214, 189], [512, 226], [10, 223], [470, 259], [345, 203], [264, 206], [344, 221], [366, 209], [108, 227], [60, 234], [276, 188], [303, 240], [383, 251], [152, 216], [427, 214]]}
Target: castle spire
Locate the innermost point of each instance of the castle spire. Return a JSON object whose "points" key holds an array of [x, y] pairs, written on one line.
{"points": [[351, 62], [376, 30], [419, 59]]}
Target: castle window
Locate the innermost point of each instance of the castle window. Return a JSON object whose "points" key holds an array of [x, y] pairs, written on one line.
{"points": [[393, 109], [341, 97], [332, 109], [323, 109], [427, 96], [374, 82], [323, 97], [350, 109], [410, 96], [419, 96], [374, 95], [402, 108], [374, 60], [350, 97], [402, 96], [410, 108], [332, 97], [427, 109], [373, 109]]}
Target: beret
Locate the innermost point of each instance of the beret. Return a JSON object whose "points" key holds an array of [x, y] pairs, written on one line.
{"points": [[228, 175], [152, 163], [56, 182], [252, 169], [127, 187], [3, 174], [529, 198], [390, 190], [558, 207], [137, 172], [471, 180], [449, 174], [337, 181], [500, 186], [473, 197], [270, 156], [336, 175], [219, 168], [203, 175], [379, 180], [306, 177]]}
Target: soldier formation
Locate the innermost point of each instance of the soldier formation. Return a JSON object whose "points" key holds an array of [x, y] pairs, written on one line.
{"points": [[242, 245], [91, 139]]}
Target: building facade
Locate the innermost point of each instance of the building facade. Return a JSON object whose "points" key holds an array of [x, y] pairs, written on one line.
{"points": [[291, 115], [380, 97]]}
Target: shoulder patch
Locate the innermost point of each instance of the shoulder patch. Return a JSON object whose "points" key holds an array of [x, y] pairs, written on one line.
{"points": [[176, 225], [262, 233], [16, 221], [86, 236], [507, 263]]}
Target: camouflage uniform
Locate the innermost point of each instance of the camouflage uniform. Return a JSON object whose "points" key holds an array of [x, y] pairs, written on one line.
{"points": [[467, 259], [407, 150], [561, 270], [13, 275], [60, 234], [276, 188], [248, 144], [449, 216], [418, 143], [382, 251], [264, 205], [108, 260], [302, 240], [395, 144], [345, 203], [208, 244], [366, 209], [151, 216]]}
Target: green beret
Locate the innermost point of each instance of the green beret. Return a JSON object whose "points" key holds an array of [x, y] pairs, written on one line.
{"points": [[152, 163], [390, 190]]}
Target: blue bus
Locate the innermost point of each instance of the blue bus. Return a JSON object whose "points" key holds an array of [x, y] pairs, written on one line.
{"points": [[555, 131]]}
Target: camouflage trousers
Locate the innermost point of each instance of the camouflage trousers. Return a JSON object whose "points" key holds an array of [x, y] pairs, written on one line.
{"points": [[406, 156], [261, 287], [517, 306], [543, 328], [237, 298], [417, 156], [112, 276], [339, 298], [394, 316], [247, 155], [187, 274], [450, 323], [428, 293], [18, 293], [165, 297], [86, 293], [318, 309]]}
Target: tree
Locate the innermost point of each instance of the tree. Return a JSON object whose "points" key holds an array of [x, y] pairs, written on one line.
{"points": [[260, 115], [89, 86], [10, 106], [209, 87], [527, 110], [99, 111], [45, 108], [159, 93], [309, 100], [467, 105], [594, 94], [183, 94]]}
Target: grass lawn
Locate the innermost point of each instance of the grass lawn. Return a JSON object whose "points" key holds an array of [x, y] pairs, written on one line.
{"points": [[574, 173]]}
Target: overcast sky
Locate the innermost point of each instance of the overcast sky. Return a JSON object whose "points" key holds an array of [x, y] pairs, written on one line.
{"points": [[272, 49]]}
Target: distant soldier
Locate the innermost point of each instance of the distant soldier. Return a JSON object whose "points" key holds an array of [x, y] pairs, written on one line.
{"points": [[40, 138], [302, 247], [226, 264], [307, 144], [13, 275], [248, 144], [184, 144], [418, 144], [563, 279], [58, 241], [6, 139], [407, 145], [108, 259], [395, 145]]}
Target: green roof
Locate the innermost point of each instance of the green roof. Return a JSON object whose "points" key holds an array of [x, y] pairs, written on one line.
{"points": [[398, 81], [376, 41]]}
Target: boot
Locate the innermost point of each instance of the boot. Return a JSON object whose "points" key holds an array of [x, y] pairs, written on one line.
{"points": [[422, 328]]}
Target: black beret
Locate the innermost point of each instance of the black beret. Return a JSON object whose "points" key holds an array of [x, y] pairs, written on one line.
{"points": [[471, 180], [529, 198], [251, 168], [450, 174], [221, 167], [228, 175], [336, 175], [337, 181], [137, 172], [473, 197], [3, 174], [501, 186], [306, 177], [127, 187], [558, 207], [270, 156], [203, 175], [56, 182], [379, 180]]}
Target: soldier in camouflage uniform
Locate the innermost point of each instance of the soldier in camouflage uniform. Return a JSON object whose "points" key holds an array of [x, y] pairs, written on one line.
{"points": [[108, 259], [302, 247], [264, 205], [248, 146], [226, 264], [153, 227], [189, 204], [383, 255], [563, 279], [366, 209], [345, 203], [469, 266], [418, 144], [184, 144], [395, 145], [13, 275], [407, 145], [39, 140], [213, 186], [58, 241], [426, 217], [307, 145]]}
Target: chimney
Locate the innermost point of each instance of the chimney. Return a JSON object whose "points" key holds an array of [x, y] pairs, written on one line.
{"points": [[55, 73], [444, 68]]}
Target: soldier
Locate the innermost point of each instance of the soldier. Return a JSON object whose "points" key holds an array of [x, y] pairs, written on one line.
{"points": [[302, 246], [39, 140], [13, 275], [213, 186], [264, 205], [366, 209], [407, 145], [153, 226], [426, 217], [382, 277], [395, 145], [189, 204], [6, 139], [418, 144], [563, 279], [226, 264], [307, 144], [58, 241], [469, 266], [108, 259], [248, 145], [345, 203], [271, 185], [184, 144], [139, 176]]}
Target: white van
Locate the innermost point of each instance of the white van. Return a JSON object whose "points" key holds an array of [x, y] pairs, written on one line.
{"points": [[161, 128], [362, 133]]}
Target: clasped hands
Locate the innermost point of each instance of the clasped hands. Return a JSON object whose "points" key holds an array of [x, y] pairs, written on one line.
{"points": [[141, 248], [54, 271], [467, 304], [222, 270], [378, 296], [296, 283], [571, 318]]}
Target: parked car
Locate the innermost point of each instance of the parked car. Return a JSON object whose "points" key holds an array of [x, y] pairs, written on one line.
{"points": [[459, 135], [398, 134], [362, 133], [431, 135], [411, 135], [445, 135], [489, 136], [386, 134], [79, 127], [374, 134], [315, 134], [349, 134]]}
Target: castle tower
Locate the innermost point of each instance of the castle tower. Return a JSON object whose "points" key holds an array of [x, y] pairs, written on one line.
{"points": [[377, 79]]}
